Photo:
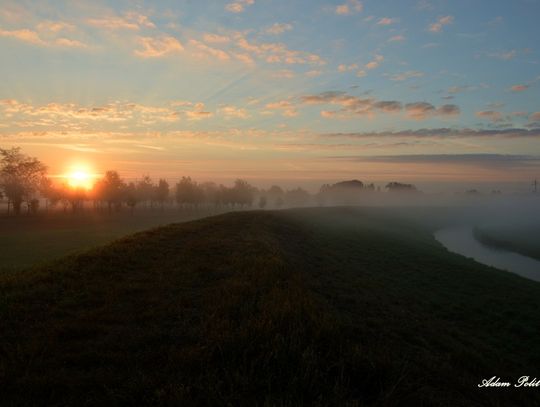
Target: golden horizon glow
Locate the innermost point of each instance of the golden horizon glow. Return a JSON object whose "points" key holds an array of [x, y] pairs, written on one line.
{"points": [[284, 91], [80, 177]]}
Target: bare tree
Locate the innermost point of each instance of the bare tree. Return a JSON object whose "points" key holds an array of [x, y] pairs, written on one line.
{"points": [[20, 177]]}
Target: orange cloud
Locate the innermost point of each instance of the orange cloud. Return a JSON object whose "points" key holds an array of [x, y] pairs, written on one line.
{"points": [[215, 38], [232, 112], [286, 107], [205, 50], [519, 88], [25, 35], [156, 47]]}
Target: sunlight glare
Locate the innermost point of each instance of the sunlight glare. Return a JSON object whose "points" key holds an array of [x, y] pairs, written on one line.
{"points": [[80, 177]]}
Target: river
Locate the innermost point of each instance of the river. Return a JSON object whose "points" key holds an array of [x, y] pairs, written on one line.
{"points": [[461, 240]]}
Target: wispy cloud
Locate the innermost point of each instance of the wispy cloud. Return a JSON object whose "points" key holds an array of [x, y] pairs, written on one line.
{"points": [[440, 23], [156, 47], [423, 110], [33, 37], [374, 64], [285, 106], [278, 28], [387, 21], [273, 53], [216, 39], [482, 160], [202, 50], [284, 74], [406, 75], [347, 68], [350, 7], [313, 73], [129, 21], [444, 132], [239, 6], [519, 88], [55, 26], [490, 115], [503, 55], [233, 112], [25, 35], [397, 38], [353, 106]]}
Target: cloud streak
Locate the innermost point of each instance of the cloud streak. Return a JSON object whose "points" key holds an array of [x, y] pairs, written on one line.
{"points": [[441, 133], [353, 106]]}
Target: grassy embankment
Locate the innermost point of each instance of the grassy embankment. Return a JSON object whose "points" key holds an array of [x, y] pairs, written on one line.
{"points": [[303, 307]]}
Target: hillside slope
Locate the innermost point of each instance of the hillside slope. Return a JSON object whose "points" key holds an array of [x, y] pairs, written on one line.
{"points": [[302, 307]]}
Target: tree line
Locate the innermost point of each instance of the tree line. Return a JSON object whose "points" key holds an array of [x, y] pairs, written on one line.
{"points": [[24, 181]]}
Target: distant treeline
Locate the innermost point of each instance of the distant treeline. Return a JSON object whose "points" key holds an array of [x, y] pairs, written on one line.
{"points": [[24, 182]]}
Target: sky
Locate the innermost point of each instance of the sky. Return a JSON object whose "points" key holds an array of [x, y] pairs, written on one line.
{"points": [[298, 92]]}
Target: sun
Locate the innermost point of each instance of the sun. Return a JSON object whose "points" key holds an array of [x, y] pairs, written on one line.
{"points": [[80, 178]]}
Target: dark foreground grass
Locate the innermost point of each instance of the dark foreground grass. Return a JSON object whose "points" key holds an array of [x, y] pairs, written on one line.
{"points": [[307, 307]]}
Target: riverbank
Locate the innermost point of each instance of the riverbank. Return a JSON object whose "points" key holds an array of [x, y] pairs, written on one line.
{"points": [[463, 240], [523, 239]]}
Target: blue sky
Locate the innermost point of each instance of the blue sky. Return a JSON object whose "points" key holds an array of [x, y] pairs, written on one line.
{"points": [[306, 91]]}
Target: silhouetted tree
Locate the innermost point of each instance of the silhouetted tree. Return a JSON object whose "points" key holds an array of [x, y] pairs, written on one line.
{"points": [[110, 189], [161, 192], [262, 202], [188, 193], [20, 177], [242, 193], [399, 187], [145, 189], [344, 192]]}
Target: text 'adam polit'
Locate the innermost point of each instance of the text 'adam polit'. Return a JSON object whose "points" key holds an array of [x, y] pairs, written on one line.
{"points": [[523, 381]]}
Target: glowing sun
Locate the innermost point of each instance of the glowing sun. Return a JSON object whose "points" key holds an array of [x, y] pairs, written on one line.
{"points": [[80, 178]]}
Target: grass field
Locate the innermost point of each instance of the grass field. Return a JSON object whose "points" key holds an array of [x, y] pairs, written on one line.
{"points": [[30, 240], [302, 307]]}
